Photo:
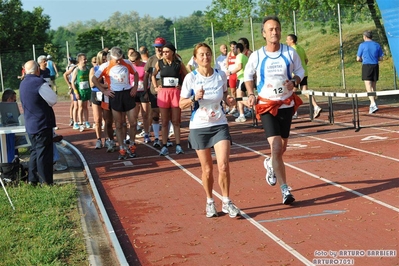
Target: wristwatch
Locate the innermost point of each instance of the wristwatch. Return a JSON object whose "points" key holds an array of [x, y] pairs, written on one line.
{"points": [[193, 98], [294, 82]]}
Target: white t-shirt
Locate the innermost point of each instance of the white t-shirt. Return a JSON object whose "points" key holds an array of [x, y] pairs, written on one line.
{"points": [[273, 69], [209, 112], [221, 63]]}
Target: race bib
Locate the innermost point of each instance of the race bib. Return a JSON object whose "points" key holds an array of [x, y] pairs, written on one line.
{"points": [[170, 82], [140, 87], [210, 112], [84, 85], [99, 96], [276, 88], [106, 99]]}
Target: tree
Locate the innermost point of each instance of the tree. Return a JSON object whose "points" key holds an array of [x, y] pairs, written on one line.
{"points": [[228, 15], [325, 12], [20, 30]]}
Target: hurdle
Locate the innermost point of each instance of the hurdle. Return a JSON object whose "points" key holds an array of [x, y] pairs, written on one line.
{"points": [[354, 98]]}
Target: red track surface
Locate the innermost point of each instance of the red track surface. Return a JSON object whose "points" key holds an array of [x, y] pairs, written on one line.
{"points": [[346, 186]]}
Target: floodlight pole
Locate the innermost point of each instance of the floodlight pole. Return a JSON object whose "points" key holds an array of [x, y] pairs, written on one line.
{"points": [[252, 34], [213, 45], [137, 41]]}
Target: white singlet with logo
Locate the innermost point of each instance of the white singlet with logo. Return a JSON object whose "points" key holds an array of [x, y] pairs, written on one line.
{"points": [[209, 111]]}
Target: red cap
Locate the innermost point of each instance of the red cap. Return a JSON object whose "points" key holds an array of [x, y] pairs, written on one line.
{"points": [[159, 42]]}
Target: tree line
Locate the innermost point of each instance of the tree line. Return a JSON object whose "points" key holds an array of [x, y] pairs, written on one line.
{"points": [[22, 29]]}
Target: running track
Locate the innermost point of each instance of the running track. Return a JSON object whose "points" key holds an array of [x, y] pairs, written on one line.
{"points": [[346, 185]]}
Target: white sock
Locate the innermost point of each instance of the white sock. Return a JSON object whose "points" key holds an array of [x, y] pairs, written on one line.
{"points": [[225, 200], [156, 130], [209, 200]]}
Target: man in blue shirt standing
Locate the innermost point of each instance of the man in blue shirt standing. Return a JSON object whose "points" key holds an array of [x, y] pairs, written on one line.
{"points": [[37, 99], [369, 53]]}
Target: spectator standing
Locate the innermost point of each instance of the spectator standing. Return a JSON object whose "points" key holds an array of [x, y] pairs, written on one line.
{"points": [[73, 109], [369, 53], [37, 100], [204, 89], [232, 79], [274, 64]]}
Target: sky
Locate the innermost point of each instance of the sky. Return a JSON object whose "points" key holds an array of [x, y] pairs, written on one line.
{"points": [[63, 12]]}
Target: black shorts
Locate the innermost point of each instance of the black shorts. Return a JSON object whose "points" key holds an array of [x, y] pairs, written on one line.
{"points": [[153, 100], [94, 99], [205, 138], [370, 72], [122, 102], [278, 125], [304, 82], [142, 97]]}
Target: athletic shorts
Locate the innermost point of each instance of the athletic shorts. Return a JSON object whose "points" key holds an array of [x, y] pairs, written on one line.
{"points": [[74, 96], [278, 125], [370, 72], [241, 85], [94, 99], [153, 100], [233, 81], [304, 81], [85, 95], [205, 138], [142, 97], [168, 98], [122, 101]]}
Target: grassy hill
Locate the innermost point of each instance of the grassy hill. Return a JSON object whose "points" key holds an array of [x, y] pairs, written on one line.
{"points": [[323, 50]]}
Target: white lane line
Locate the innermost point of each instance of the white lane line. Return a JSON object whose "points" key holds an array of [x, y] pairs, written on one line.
{"points": [[326, 212], [346, 146], [331, 182], [247, 217]]}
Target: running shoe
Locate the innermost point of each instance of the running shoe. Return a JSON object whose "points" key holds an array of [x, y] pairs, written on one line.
{"points": [[141, 134], [81, 128], [87, 124], [122, 154], [99, 145], [373, 109], [169, 143], [110, 144], [295, 116], [76, 126], [147, 139], [59, 167], [164, 151], [231, 209], [241, 119], [157, 143], [211, 210], [233, 111], [317, 112], [270, 176], [287, 196], [132, 151], [179, 150], [71, 122]]}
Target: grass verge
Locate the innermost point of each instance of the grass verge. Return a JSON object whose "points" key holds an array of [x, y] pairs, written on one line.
{"points": [[44, 229]]}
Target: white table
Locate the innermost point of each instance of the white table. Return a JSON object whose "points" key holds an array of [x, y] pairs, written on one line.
{"points": [[3, 142]]}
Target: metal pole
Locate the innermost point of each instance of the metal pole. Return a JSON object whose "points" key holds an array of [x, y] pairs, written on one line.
{"points": [[341, 48], [252, 34], [395, 85], [174, 33], [293, 15], [213, 44], [137, 41], [102, 42], [34, 52], [67, 49]]}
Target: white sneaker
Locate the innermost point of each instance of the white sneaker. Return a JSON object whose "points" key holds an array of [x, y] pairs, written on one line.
{"points": [[373, 109], [231, 209], [99, 145], [287, 197], [233, 111], [141, 134], [211, 210], [241, 119], [317, 112], [270, 176]]}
